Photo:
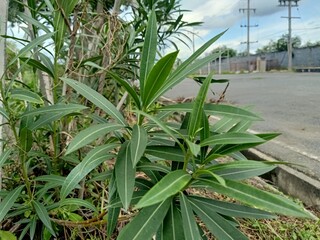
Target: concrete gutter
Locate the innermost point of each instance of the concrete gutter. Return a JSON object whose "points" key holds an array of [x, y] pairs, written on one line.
{"points": [[291, 181]]}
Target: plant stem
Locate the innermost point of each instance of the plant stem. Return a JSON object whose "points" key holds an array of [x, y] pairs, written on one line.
{"points": [[186, 160]]}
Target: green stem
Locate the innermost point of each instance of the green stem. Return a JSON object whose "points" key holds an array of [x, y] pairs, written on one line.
{"points": [[186, 160]]}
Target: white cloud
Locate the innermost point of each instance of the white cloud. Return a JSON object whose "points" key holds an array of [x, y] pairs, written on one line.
{"points": [[218, 15]]}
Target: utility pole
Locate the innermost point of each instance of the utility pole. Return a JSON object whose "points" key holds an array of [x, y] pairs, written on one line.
{"points": [[283, 3], [248, 26]]}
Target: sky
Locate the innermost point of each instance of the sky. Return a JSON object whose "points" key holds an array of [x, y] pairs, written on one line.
{"points": [[219, 15]]}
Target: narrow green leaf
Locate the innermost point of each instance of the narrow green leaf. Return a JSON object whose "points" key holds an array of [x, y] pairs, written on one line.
{"points": [[204, 133], [34, 43], [97, 99], [125, 175], [231, 138], [149, 50], [196, 113], [217, 225], [49, 5], [241, 170], [241, 126], [68, 6], [172, 133], [47, 62], [26, 95], [61, 16], [46, 119], [215, 109], [4, 113], [116, 202], [51, 178], [127, 87], [138, 143], [230, 209], [195, 55], [255, 197], [73, 202], [112, 217], [231, 148], [190, 227], [44, 216], [103, 176], [113, 212], [152, 167], [224, 124], [189, 66], [33, 21], [4, 157], [172, 224], [166, 153], [90, 134], [25, 134], [146, 223], [194, 148], [92, 64], [8, 201], [143, 184], [157, 77], [54, 109], [26, 139], [93, 159], [168, 186], [38, 65]]}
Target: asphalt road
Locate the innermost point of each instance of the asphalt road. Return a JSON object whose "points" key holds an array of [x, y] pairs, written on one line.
{"points": [[288, 102]]}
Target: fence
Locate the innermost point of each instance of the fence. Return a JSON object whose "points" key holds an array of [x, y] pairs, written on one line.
{"points": [[308, 57]]}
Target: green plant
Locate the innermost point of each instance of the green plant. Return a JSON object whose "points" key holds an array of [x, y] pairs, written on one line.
{"points": [[135, 161], [177, 157]]}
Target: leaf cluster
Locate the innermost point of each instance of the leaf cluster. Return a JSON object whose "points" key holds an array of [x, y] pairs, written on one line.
{"points": [[85, 161]]}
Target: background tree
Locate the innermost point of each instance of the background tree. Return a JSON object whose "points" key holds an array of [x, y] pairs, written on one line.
{"points": [[280, 45], [226, 52], [311, 44], [171, 25]]}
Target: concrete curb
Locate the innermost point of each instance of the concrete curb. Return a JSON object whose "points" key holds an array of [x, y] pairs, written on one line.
{"points": [[291, 181]]}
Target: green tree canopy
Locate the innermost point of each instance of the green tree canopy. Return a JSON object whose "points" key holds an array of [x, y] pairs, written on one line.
{"points": [[226, 51], [280, 45]]}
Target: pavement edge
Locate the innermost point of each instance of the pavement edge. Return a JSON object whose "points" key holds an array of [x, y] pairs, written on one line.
{"points": [[291, 181]]}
